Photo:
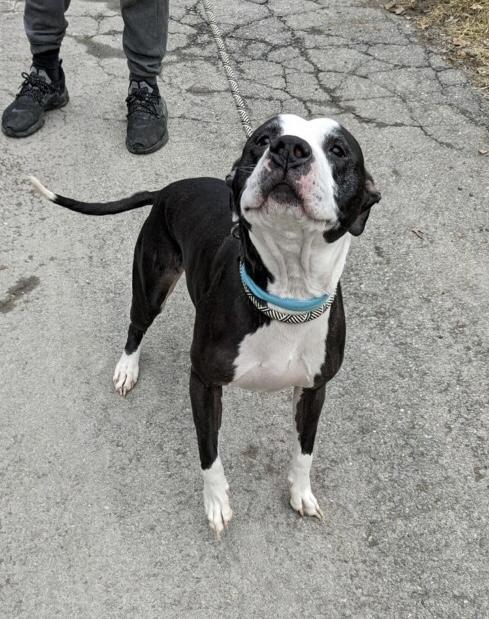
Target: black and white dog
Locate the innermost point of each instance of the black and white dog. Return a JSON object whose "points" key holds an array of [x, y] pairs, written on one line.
{"points": [[263, 254]]}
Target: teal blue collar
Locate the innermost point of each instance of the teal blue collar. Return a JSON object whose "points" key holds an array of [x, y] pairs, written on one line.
{"points": [[293, 305]]}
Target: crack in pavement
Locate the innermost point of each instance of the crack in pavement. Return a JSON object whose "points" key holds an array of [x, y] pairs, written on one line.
{"points": [[245, 47]]}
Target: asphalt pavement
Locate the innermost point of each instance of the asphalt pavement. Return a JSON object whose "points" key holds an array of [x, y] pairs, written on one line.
{"points": [[100, 498]]}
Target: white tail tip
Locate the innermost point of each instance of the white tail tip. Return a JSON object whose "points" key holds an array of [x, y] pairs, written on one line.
{"points": [[39, 187]]}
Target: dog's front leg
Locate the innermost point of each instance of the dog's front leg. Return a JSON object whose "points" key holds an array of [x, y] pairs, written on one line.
{"points": [[207, 409], [307, 409]]}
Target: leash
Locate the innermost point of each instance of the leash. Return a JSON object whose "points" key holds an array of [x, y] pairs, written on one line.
{"points": [[226, 62]]}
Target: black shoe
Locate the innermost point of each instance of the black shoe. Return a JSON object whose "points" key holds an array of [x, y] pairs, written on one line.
{"points": [[146, 119], [37, 95]]}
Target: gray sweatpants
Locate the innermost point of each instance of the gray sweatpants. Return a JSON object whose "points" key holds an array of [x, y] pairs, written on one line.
{"points": [[144, 38]]}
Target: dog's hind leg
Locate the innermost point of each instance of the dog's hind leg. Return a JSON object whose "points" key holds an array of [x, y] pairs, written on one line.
{"points": [[156, 269]]}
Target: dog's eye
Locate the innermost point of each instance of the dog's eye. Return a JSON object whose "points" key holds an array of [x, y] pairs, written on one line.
{"points": [[264, 140], [338, 150]]}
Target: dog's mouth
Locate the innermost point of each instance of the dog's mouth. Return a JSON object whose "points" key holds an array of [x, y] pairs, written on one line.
{"points": [[284, 193], [292, 195]]}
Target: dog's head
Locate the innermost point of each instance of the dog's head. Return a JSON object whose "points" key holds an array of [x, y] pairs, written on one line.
{"points": [[311, 173]]}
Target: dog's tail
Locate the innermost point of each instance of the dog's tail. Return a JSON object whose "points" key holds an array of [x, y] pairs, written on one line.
{"points": [[96, 208]]}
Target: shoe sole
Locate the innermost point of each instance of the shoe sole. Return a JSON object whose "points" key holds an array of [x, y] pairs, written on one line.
{"points": [[36, 126], [150, 149]]}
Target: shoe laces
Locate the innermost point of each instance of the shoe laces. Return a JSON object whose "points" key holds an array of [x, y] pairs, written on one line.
{"points": [[34, 86], [141, 100]]}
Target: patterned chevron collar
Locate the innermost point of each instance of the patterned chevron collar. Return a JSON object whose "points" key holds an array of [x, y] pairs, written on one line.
{"points": [[295, 313]]}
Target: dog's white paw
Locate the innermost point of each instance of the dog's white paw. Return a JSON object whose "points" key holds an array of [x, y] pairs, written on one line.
{"points": [[218, 511], [304, 502], [216, 500], [301, 496], [126, 373]]}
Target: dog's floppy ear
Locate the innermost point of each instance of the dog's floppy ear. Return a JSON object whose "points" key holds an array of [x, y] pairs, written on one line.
{"points": [[371, 195], [229, 182], [230, 177]]}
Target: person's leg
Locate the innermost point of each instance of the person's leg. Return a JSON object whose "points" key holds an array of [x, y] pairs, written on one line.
{"points": [[45, 24], [144, 41], [44, 87], [145, 36]]}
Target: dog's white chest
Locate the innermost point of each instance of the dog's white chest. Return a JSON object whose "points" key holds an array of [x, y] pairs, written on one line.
{"points": [[279, 355]]}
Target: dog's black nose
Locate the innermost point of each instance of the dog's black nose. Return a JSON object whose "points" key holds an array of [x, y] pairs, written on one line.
{"points": [[289, 151]]}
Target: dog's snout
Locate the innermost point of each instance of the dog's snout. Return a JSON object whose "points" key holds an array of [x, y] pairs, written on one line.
{"points": [[289, 151]]}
